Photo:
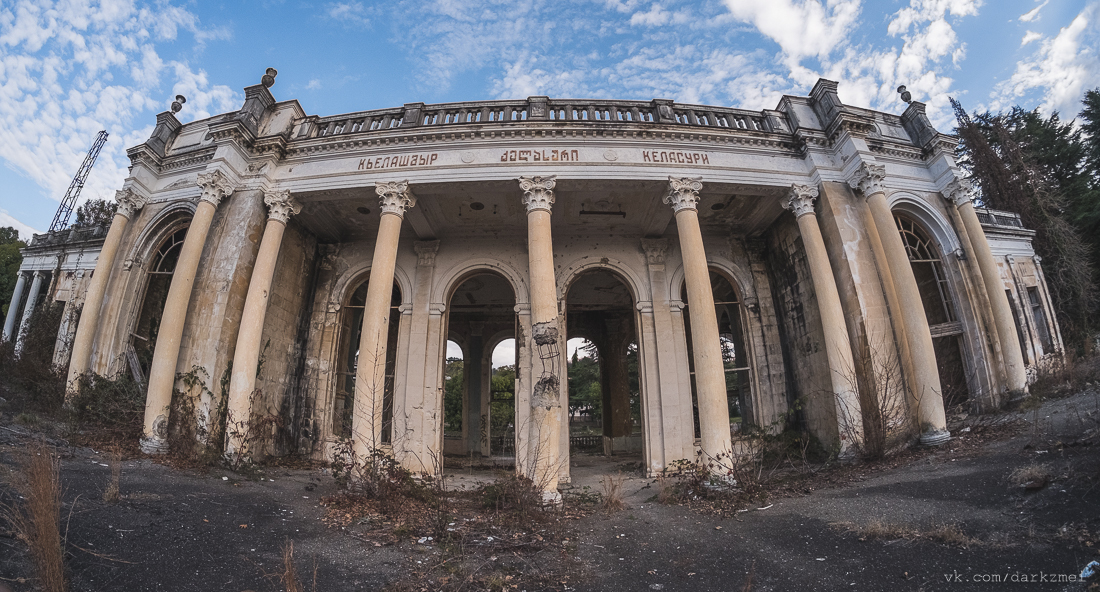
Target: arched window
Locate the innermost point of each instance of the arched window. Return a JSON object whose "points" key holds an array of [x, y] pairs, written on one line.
{"points": [[161, 267], [727, 308], [350, 335]]}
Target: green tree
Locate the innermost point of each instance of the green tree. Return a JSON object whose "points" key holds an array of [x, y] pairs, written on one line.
{"points": [[10, 260], [1035, 166], [585, 394], [453, 385], [502, 409], [95, 212]]}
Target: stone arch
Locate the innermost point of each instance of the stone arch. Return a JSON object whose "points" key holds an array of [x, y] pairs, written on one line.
{"points": [[351, 278], [447, 282], [738, 277], [629, 277]]}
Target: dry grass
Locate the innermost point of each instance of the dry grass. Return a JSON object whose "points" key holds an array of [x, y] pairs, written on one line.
{"points": [[111, 493], [947, 534], [38, 521], [1032, 476], [612, 498]]}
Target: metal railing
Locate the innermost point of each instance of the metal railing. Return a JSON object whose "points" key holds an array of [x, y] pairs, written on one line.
{"points": [[999, 218], [69, 235]]}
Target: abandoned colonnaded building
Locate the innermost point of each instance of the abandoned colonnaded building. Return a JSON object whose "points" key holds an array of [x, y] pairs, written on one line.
{"points": [[800, 265]]}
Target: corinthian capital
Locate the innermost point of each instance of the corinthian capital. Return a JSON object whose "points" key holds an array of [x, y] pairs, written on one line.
{"points": [[868, 179], [800, 200], [394, 197], [128, 203], [683, 193], [959, 191], [538, 192], [215, 187], [281, 206], [655, 249]]}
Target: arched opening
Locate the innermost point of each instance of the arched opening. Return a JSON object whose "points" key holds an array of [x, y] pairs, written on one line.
{"points": [[731, 334], [143, 338], [939, 308], [604, 392], [480, 397], [351, 329]]}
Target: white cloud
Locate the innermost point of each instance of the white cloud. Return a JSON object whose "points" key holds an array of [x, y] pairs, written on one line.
{"points": [[802, 28], [71, 68], [1029, 37], [1033, 14], [348, 13], [25, 231], [1060, 70], [314, 84]]}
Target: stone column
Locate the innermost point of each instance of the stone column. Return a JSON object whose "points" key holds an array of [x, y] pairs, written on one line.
{"points": [[959, 191], [162, 371], [370, 372], [129, 203], [538, 196], [838, 350], [13, 306], [32, 299], [474, 389], [926, 395], [710, 373], [246, 356]]}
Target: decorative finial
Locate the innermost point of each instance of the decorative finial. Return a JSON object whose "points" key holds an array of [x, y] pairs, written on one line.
{"points": [[269, 77], [178, 103], [905, 96]]}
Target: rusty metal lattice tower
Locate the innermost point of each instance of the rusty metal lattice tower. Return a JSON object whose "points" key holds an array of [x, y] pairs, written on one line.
{"points": [[61, 218]]}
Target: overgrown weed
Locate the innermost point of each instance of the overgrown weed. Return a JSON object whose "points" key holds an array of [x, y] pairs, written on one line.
{"points": [[37, 520]]}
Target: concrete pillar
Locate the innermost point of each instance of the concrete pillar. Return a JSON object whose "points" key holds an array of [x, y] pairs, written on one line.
{"points": [[370, 373], [1015, 371], [547, 363], [246, 355], [615, 373], [129, 203], [422, 400], [162, 371], [32, 299], [710, 373], [838, 350], [13, 306], [926, 395], [474, 390]]}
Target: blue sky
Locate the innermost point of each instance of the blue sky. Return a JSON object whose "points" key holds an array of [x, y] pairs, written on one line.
{"points": [[70, 68]]}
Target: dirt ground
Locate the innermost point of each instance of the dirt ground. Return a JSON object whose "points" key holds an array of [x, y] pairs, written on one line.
{"points": [[951, 518]]}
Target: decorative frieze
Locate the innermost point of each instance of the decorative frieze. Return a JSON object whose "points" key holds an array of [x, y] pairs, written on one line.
{"points": [[538, 192], [215, 187], [426, 252], [683, 193], [281, 206], [655, 249], [800, 200], [868, 179], [394, 197]]}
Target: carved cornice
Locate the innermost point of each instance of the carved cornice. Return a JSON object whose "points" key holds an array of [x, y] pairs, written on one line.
{"points": [[215, 187], [800, 200], [868, 179], [129, 203], [959, 191], [281, 206], [538, 192], [426, 252], [683, 193], [394, 197], [655, 249]]}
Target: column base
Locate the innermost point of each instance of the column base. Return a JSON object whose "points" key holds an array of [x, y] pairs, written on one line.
{"points": [[551, 498], [154, 445], [935, 437]]}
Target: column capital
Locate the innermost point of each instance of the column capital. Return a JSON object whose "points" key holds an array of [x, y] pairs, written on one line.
{"points": [[868, 179], [129, 203], [281, 206], [683, 193], [655, 249], [538, 192], [426, 252], [215, 187], [800, 200], [394, 197], [959, 191]]}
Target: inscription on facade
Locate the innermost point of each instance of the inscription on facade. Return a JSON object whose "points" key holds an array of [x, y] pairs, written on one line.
{"points": [[390, 162], [676, 157], [540, 156]]}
